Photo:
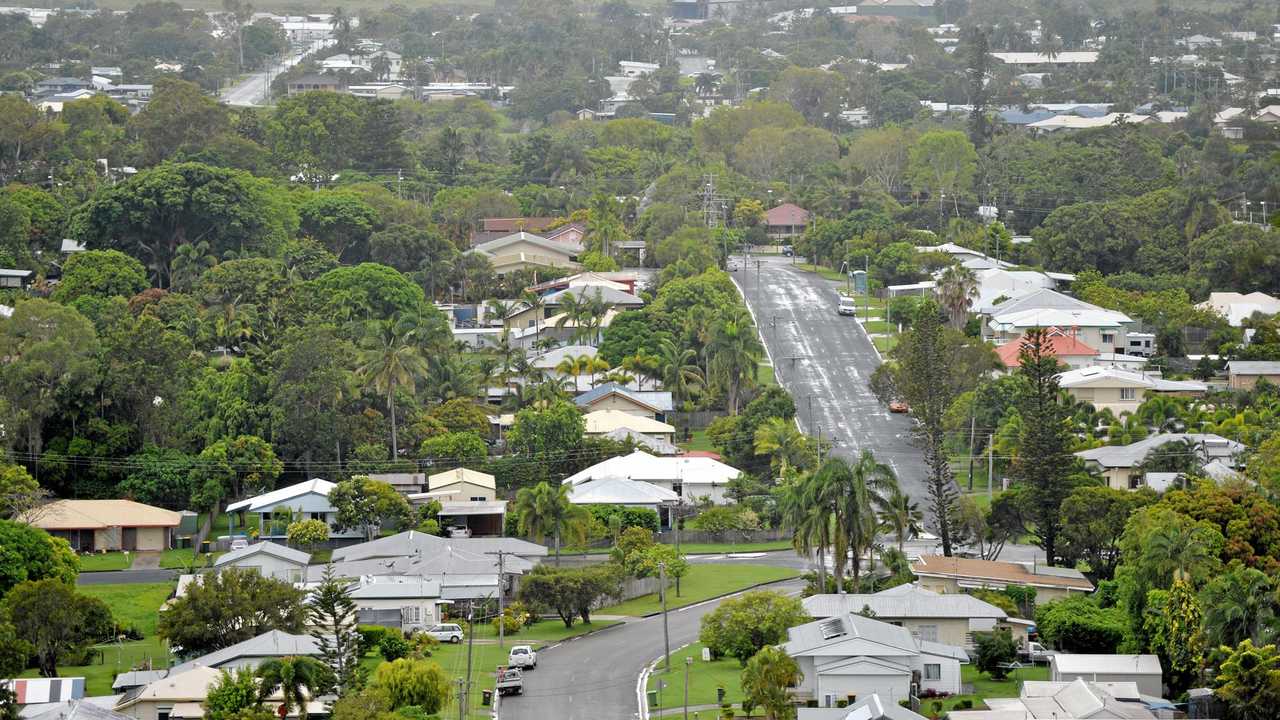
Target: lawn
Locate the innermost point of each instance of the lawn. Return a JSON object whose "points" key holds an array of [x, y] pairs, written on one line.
{"points": [[764, 375], [886, 343], [545, 632], [180, 558], [133, 605], [102, 562], [825, 272], [703, 583], [985, 687], [704, 678], [880, 326], [698, 440]]}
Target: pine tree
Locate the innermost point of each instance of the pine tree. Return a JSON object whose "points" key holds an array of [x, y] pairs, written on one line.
{"points": [[1044, 461], [333, 619]]}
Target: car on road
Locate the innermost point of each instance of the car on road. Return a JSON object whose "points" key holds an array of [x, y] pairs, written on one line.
{"points": [[445, 632], [523, 657], [510, 682], [788, 251], [847, 306], [897, 406]]}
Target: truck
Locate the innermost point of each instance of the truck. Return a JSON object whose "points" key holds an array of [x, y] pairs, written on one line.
{"points": [[523, 657], [1036, 653], [847, 306], [510, 681]]}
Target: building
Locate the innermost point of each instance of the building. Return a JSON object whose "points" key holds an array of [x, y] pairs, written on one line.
{"points": [[95, 708], [1141, 670], [1238, 307], [181, 696], [1122, 391], [1067, 349], [311, 83], [1078, 700], [307, 500], [654, 446], [19, 279], [1099, 328], [102, 525], [950, 619], [688, 477], [522, 251], [1082, 57], [251, 653], [468, 499], [269, 560], [787, 220], [850, 656], [1244, 374], [1121, 465], [1075, 122], [953, 575], [526, 316], [870, 707], [407, 603], [603, 422], [416, 545], [912, 9], [462, 485], [653, 404], [628, 493]]}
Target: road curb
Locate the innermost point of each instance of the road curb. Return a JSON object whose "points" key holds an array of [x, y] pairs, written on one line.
{"points": [[720, 597], [558, 643]]}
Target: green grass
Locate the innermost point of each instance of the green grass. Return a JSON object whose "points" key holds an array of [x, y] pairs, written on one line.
{"points": [[876, 304], [703, 583], [764, 375], [880, 326], [704, 678], [102, 562], [885, 344], [180, 558], [133, 605], [825, 272], [985, 687], [698, 440], [717, 548]]}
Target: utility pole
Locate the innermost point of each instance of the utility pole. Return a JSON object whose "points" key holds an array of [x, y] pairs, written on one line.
{"points": [[990, 463], [972, 428], [471, 642], [502, 586], [666, 635], [461, 697]]}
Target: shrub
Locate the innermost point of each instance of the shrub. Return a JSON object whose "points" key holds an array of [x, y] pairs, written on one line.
{"points": [[393, 647], [370, 637], [509, 622], [995, 650]]}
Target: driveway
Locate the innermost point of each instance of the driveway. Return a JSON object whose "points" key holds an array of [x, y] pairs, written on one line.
{"points": [[825, 361], [595, 677]]}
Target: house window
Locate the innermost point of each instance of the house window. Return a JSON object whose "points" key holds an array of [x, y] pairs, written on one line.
{"points": [[1135, 482], [478, 498], [932, 671], [317, 516], [928, 633], [295, 575], [162, 713], [411, 614], [1108, 337], [1128, 393]]}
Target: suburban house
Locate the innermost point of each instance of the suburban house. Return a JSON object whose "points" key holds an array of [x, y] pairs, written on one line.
{"points": [[918, 9], [1244, 374], [1122, 391], [1099, 328], [850, 656], [307, 500], [1142, 670], [10, 278], [869, 707], [102, 525], [954, 575], [522, 250], [253, 652], [532, 317], [468, 499], [1065, 347], [462, 485], [653, 446], [1078, 700], [652, 404], [418, 545], [1238, 307], [785, 221], [405, 483], [603, 422], [407, 603], [310, 83], [628, 493], [689, 477], [950, 619], [626, 281], [181, 696], [1121, 465], [268, 559], [91, 708]]}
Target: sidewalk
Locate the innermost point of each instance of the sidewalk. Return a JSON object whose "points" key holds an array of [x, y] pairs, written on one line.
{"points": [[707, 712]]}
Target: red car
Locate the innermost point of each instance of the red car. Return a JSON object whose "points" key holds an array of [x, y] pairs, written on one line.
{"points": [[897, 406]]}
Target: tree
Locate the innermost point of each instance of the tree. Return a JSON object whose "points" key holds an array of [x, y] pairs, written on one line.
{"points": [[1177, 636], [100, 273], [549, 435], [678, 370], [234, 692], [56, 620], [367, 505], [656, 560], [786, 445], [943, 163], [741, 627], [232, 468], [307, 533], [765, 681], [228, 607], [179, 115], [1248, 681], [19, 492], [341, 220], [297, 679], [333, 625], [1092, 522], [1239, 605], [389, 361], [546, 510], [1044, 460], [994, 652], [412, 682], [734, 353], [462, 415], [456, 448], [29, 554], [1077, 624], [957, 289], [901, 516], [569, 592]]}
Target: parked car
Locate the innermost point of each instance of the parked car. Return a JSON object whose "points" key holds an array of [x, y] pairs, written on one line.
{"points": [[897, 406], [523, 657], [239, 542], [445, 632], [459, 532], [1037, 653], [510, 682], [788, 251]]}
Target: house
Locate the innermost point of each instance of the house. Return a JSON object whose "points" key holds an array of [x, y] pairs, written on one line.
{"points": [[603, 422], [850, 656], [251, 653], [954, 574], [310, 83], [11, 278], [78, 709], [551, 359], [526, 316], [626, 492], [1142, 670], [1121, 465], [915, 9], [785, 221], [181, 696], [869, 707], [407, 603], [1122, 391], [1077, 700], [71, 247], [468, 499], [269, 560], [687, 476], [416, 545], [1238, 307], [1244, 374], [1067, 349], [522, 250], [1074, 122], [462, 485], [308, 500], [654, 446], [1269, 115], [405, 483], [611, 396], [950, 619], [127, 681], [1099, 328], [626, 282], [98, 525], [998, 284]]}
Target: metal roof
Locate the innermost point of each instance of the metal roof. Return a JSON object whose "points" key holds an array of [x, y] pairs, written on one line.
{"points": [[1132, 455], [904, 601], [267, 548]]}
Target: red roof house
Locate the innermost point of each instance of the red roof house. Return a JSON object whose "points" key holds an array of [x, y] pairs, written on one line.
{"points": [[786, 220], [1064, 346]]}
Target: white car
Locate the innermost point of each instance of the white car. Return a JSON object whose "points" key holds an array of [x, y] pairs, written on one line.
{"points": [[459, 532], [446, 632], [522, 656]]}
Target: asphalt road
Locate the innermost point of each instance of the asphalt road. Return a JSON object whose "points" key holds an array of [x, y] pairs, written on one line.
{"points": [[595, 677], [252, 90], [125, 577], [825, 361]]}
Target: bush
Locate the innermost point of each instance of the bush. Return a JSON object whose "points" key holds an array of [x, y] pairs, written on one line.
{"points": [[1076, 624], [370, 637], [393, 647], [509, 622], [628, 517], [723, 518], [995, 650]]}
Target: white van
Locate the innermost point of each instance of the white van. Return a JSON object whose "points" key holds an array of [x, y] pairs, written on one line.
{"points": [[847, 306]]}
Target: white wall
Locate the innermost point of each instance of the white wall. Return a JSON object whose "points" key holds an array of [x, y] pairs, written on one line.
{"points": [[427, 605], [272, 567]]}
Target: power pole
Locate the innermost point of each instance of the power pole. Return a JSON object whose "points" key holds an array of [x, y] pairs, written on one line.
{"points": [[502, 586], [688, 661], [990, 463], [972, 428], [666, 635], [471, 642]]}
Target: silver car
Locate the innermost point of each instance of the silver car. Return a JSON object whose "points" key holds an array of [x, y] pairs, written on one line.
{"points": [[445, 632]]}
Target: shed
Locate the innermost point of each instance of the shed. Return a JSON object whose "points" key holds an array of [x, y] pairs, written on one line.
{"points": [[1142, 670]]}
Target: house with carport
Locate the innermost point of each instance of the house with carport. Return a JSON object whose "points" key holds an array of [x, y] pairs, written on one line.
{"points": [[689, 477], [106, 525], [468, 499], [945, 575], [308, 500]]}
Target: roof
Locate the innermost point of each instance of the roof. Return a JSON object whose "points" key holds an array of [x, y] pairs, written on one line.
{"points": [[386, 588], [1107, 664], [10, 272], [1100, 376], [516, 224], [1035, 58], [656, 445], [551, 358], [1046, 299], [620, 491], [1075, 122], [1132, 455], [1060, 345], [72, 246], [191, 684], [414, 543], [904, 601], [99, 514], [273, 643], [640, 465], [454, 508], [606, 421], [264, 548], [30, 691], [282, 495], [787, 214], [879, 638], [869, 707], [1253, 367], [493, 246], [460, 475], [967, 570], [1236, 307], [136, 678], [609, 295], [658, 401], [79, 709]]}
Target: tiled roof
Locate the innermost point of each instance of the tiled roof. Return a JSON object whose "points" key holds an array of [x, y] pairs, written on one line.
{"points": [[967, 569], [787, 214], [96, 514], [1060, 345]]}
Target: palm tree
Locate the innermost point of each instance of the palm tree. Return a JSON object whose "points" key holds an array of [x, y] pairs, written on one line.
{"points": [[957, 289], [451, 376], [705, 83], [343, 30], [189, 262], [381, 66], [1238, 606], [545, 510], [677, 369], [810, 522], [390, 362], [642, 366], [857, 491], [296, 678], [536, 304], [901, 516], [735, 352], [786, 444], [232, 322]]}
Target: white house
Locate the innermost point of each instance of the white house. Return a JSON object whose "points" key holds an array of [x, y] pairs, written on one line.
{"points": [[1121, 465], [1101, 329], [1238, 307], [1142, 670], [409, 603], [269, 560], [870, 707], [851, 656], [308, 500], [688, 477], [603, 422], [1122, 391], [1078, 700], [950, 619]]}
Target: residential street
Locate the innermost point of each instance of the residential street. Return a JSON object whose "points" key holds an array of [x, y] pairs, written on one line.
{"points": [[825, 361], [253, 89], [594, 678]]}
